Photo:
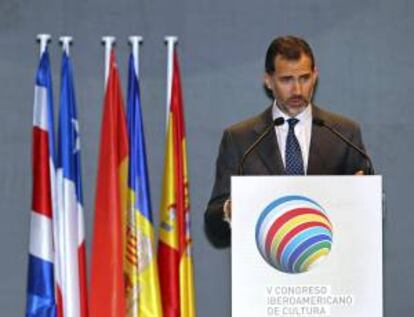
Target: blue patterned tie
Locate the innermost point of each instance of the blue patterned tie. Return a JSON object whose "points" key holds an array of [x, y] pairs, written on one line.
{"points": [[293, 154]]}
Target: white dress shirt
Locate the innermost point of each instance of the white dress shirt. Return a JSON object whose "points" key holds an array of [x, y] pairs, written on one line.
{"points": [[303, 131]]}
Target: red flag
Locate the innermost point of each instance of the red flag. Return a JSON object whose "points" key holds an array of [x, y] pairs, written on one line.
{"points": [[107, 283], [174, 250]]}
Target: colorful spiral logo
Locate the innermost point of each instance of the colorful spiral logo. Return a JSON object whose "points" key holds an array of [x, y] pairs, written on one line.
{"points": [[293, 233]]}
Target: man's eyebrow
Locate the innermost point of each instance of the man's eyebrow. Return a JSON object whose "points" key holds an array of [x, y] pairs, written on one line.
{"points": [[304, 75]]}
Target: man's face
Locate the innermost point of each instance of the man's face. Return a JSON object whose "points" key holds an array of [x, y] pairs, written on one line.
{"points": [[292, 83]]}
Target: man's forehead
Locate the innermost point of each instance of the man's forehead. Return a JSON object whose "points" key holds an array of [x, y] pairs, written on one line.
{"points": [[303, 64]]}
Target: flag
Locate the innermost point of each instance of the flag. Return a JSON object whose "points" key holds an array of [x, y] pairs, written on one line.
{"points": [[141, 271], [174, 248], [107, 280], [40, 285], [69, 217]]}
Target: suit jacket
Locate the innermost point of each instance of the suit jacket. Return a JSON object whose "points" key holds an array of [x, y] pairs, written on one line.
{"points": [[328, 155]]}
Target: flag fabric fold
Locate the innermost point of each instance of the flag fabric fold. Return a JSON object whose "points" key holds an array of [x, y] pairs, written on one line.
{"points": [[141, 271], [174, 248], [41, 300], [107, 296], [70, 234]]}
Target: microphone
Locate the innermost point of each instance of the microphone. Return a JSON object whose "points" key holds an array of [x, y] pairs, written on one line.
{"points": [[321, 123], [276, 122]]}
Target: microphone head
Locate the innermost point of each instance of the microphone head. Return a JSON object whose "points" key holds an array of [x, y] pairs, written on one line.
{"points": [[318, 121], [278, 121]]}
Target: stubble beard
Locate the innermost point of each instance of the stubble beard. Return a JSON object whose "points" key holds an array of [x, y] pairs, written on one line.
{"points": [[292, 110]]}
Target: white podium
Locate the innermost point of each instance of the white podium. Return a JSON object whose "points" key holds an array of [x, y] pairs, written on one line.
{"points": [[307, 246]]}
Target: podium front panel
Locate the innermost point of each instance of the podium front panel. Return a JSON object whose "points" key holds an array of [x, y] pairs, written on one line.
{"points": [[307, 246]]}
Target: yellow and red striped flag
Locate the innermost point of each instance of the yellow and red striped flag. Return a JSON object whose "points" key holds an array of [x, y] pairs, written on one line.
{"points": [[107, 279], [174, 249]]}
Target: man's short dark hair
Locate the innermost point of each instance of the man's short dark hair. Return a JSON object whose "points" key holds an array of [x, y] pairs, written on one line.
{"points": [[290, 48]]}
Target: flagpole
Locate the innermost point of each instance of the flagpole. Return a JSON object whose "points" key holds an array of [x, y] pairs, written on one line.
{"points": [[171, 41], [66, 42], [135, 42], [108, 42], [43, 39]]}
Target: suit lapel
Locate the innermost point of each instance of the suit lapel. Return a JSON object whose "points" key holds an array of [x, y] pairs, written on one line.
{"points": [[268, 151], [316, 161]]}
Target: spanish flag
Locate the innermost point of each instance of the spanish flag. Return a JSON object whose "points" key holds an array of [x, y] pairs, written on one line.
{"points": [[174, 249], [107, 280]]}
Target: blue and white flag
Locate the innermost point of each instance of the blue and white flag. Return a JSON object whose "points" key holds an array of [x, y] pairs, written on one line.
{"points": [[70, 260]]}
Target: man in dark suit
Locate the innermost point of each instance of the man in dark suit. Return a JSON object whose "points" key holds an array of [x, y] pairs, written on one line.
{"points": [[297, 147]]}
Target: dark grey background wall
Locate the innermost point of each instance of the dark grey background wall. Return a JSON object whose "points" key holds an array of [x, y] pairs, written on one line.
{"points": [[364, 52]]}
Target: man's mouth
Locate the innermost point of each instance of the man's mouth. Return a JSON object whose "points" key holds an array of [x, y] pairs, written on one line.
{"points": [[296, 100]]}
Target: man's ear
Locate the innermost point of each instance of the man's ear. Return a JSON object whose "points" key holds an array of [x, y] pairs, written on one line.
{"points": [[267, 81], [316, 73], [268, 86]]}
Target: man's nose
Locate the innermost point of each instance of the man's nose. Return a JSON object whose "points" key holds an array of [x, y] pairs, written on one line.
{"points": [[297, 87]]}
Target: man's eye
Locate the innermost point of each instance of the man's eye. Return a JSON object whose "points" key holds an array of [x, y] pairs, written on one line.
{"points": [[305, 78], [285, 80]]}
